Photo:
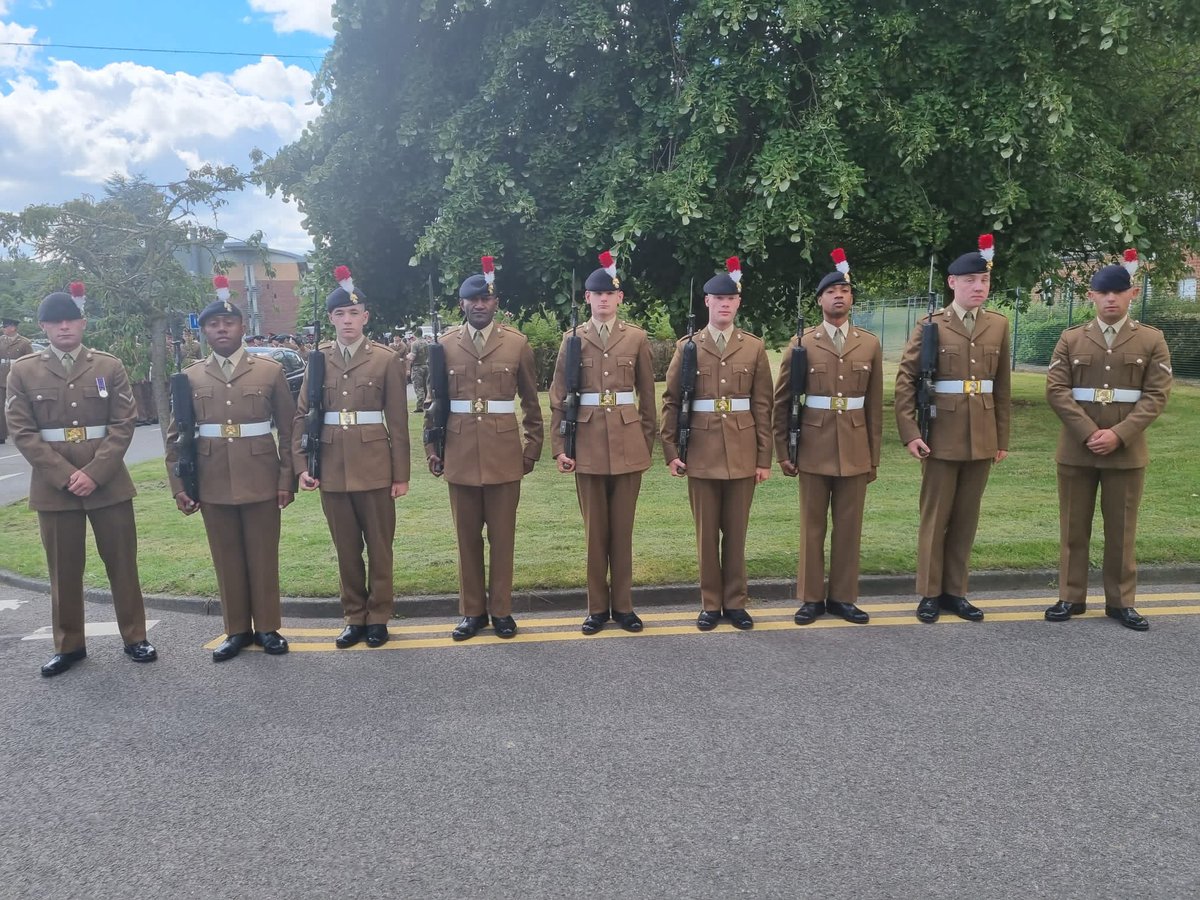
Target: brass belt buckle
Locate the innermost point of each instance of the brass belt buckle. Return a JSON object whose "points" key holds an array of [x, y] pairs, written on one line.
{"points": [[972, 387], [75, 435], [231, 430], [347, 417], [608, 398], [478, 406], [1105, 395], [722, 404], [839, 403]]}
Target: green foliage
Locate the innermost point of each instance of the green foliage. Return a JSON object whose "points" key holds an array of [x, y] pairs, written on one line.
{"points": [[680, 133]]}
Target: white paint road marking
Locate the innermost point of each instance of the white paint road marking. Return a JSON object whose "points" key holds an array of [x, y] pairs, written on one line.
{"points": [[9, 605], [90, 629], [13, 475]]}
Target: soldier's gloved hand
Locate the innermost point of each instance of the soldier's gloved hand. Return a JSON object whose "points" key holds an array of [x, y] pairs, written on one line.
{"points": [[528, 464], [185, 504], [565, 463], [789, 468]]}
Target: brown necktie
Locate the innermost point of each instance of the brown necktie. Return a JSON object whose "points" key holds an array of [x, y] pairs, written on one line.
{"points": [[839, 341], [346, 355], [969, 322], [227, 368], [478, 339], [721, 344], [68, 360], [604, 336], [1110, 335]]}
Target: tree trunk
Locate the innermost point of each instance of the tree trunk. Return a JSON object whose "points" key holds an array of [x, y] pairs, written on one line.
{"points": [[159, 371]]}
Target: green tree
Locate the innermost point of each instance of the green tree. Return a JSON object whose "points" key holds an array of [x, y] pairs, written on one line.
{"points": [[122, 246], [682, 132]]}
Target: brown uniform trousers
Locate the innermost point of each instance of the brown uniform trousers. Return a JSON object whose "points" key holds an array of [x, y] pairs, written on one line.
{"points": [[41, 394], [725, 450], [612, 448], [359, 464], [838, 454], [239, 480], [1140, 361], [967, 432], [485, 460], [11, 348]]}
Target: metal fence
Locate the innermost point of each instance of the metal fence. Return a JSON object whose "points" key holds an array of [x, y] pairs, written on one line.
{"points": [[1038, 323]]}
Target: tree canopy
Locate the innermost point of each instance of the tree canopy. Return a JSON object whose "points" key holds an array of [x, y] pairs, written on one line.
{"points": [[678, 133]]}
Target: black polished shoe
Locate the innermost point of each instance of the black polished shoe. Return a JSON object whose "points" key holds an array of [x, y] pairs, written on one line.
{"points": [[1128, 616], [1062, 610], [506, 626], [961, 607], [141, 651], [272, 642], [847, 611], [350, 636], [594, 622], [929, 609], [60, 662], [707, 620], [808, 612], [628, 621], [232, 646], [468, 627], [739, 619], [377, 635]]}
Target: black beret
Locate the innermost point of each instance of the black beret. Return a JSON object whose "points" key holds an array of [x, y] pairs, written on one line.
{"points": [[971, 263], [219, 308], [1112, 279], [59, 307], [721, 284], [475, 286], [831, 279], [601, 281], [341, 297], [9, 322]]}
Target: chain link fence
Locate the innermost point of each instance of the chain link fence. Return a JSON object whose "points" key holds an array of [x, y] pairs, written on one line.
{"points": [[1038, 322]]}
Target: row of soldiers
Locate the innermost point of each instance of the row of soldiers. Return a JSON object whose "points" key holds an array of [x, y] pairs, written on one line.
{"points": [[723, 416]]}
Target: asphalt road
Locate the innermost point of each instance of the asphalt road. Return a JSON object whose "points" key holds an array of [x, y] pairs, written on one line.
{"points": [[1009, 758], [14, 470]]}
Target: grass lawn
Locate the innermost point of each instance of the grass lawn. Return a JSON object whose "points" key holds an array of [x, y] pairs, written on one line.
{"points": [[1019, 527]]}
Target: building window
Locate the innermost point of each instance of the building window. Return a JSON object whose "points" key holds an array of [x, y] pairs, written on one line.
{"points": [[1187, 289]]}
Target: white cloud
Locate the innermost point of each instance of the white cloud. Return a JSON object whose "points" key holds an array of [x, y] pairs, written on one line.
{"points": [[65, 136], [15, 57], [286, 16]]}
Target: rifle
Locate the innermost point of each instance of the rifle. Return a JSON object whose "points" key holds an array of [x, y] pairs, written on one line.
{"points": [[185, 424], [926, 393], [799, 381], [687, 378], [437, 405], [573, 367], [314, 419]]}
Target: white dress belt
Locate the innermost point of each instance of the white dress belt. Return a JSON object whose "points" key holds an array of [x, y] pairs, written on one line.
{"points": [[1105, 395], [607, 398], [75, 435], [722, 404], [838, 403], [234, 429], [355, 417], [479, 407], [963, 387]]}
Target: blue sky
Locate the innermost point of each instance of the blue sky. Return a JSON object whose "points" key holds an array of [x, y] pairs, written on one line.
{"points": [[69, 118]]}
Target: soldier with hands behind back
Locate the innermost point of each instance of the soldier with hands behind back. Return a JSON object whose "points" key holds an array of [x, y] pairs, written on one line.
{"points": [[13, 345]]}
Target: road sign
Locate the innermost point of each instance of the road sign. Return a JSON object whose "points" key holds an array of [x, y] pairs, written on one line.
{"points": [[193, 321]]}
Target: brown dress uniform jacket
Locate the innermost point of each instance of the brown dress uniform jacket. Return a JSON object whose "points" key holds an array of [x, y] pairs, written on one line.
{"points": [[42, 395], [832, 442], [490, 448], [966, 426], [360, 457], [724, 445], [240, 469], [1138, 361], [609, 440]]}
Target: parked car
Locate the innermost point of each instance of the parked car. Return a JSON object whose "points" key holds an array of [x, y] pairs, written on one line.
{"points": [[293, 365]]}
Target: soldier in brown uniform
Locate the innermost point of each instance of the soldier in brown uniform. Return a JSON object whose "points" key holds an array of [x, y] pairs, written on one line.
{"points": [[613, 441], [730, 446], [71, 412], [841, 424], [969, 432], [13, 345], [364, 462], [244, 479], [487, 450], [1108, 380]]}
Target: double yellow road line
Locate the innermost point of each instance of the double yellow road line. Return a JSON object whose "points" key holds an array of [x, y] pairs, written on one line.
{"points": [[538, 629]]}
